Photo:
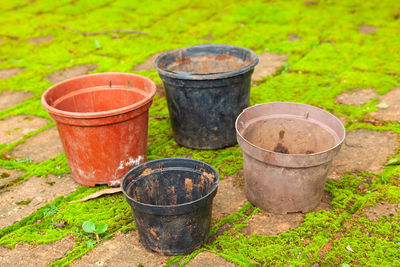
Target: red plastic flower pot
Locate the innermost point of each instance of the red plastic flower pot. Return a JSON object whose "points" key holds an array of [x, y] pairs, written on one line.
{"points": [[102, 121]]}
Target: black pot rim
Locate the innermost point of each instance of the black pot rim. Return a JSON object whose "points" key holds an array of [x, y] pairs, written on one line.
{"points": [[190, 76], [170, 209]]}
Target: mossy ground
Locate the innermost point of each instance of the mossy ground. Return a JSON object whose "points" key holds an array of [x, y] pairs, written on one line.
{"points": [[329, 57]]}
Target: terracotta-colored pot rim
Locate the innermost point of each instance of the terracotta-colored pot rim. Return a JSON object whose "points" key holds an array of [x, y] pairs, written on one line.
{"points": [[89, 115], [333, 148]]}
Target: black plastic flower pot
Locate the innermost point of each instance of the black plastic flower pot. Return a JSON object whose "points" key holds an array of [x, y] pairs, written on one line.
{"points": [[171, 200], [207, 87]]}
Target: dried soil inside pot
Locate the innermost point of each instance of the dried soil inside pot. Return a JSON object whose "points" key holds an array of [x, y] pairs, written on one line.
{"points": [[289, 136], [208, 64]]}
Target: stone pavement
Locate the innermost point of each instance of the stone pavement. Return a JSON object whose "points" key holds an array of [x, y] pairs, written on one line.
{"points": [[312, 52]]}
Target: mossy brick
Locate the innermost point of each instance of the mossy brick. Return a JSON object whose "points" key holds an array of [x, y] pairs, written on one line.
{"points": [[330, 57]]}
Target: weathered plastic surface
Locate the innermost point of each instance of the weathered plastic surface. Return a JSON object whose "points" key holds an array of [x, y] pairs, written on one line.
{"points": [[102, 122], [287, 152], [171, 200], [207, 86]]}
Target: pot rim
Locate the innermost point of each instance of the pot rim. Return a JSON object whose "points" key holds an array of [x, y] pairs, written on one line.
{"points": [[150, 206], [101, 114], [190, 76], [338, 144]]}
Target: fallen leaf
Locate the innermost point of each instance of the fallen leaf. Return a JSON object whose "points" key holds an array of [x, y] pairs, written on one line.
{"points": [[115, 36], [382, 105], [349, 248], [97, 44], [393, 161], [107, 191], [59, 225]]}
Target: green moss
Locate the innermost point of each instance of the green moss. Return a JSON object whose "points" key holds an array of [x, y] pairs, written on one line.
{"points": [[329, 58], [24, 202]]}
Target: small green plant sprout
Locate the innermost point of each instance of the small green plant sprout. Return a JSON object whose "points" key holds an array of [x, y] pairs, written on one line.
{"points": [[98, 228], [27, 160]]}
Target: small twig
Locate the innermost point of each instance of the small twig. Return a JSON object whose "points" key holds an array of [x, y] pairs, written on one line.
{"points": [[334, 45], [159, 117], [97, 237], [113, 31], [10, 36]]}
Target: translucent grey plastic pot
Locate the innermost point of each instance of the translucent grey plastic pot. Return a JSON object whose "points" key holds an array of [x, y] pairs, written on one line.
{"points": [[288, 149]]}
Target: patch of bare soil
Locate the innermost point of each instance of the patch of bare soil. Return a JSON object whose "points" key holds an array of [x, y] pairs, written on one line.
{"points": [[41, 255], [268, 64], [382, 209], [343, 120], [12, 98], [294, 38], [325, 202], [368, 29], [13, 128], [208, 259], [61, 75], [1, 41], [121, 250], [364, 150], [41, 39], [273, 224], [7, 73], [328, 246], [357, 97], [160, 89], [207, 38], [147, 65], [7, 176], [310, 3], [389, 108], [231, 196], [33, 146], [22, 200]]}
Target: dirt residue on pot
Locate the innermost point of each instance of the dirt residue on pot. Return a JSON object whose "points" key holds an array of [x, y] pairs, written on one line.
{"points": [[183, 60], [170, 187], [209, 176], [208, 64], [153, 233], [147, 171], [188, 185], [289, 136], [173, 199]]}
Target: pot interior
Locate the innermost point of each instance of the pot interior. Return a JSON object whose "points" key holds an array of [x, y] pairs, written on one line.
{"points": [[206, 60], [97, 99], [207, 64], [171, 187], [290, 135]]}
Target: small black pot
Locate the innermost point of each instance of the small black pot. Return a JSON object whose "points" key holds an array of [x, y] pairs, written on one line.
{"points": [[171, 200], [207, 86]]}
